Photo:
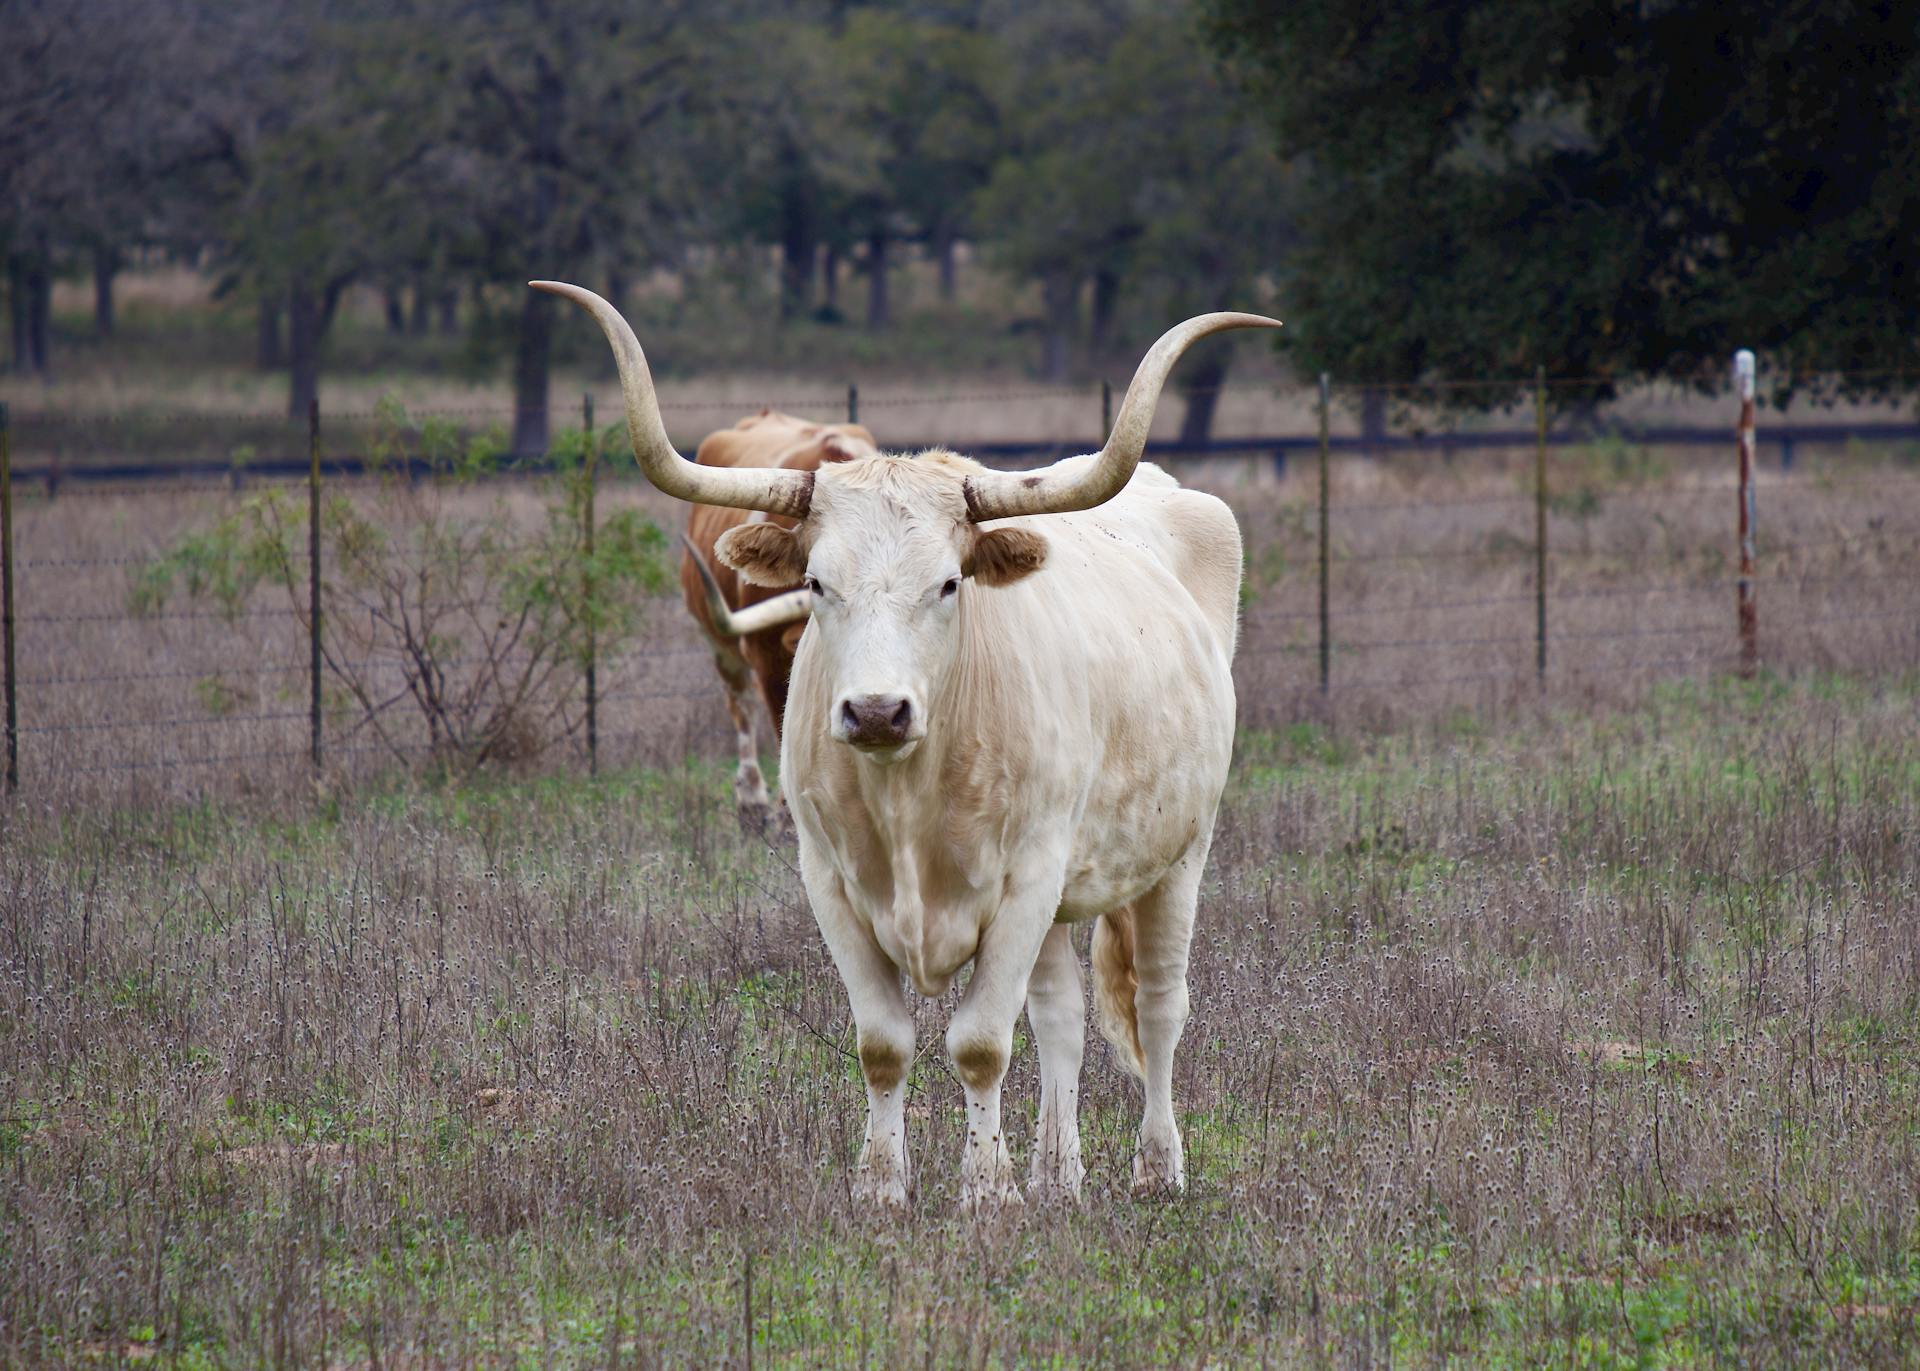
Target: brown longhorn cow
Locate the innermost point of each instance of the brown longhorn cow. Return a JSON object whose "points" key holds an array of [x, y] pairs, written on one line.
{"points": [[754, 629]]}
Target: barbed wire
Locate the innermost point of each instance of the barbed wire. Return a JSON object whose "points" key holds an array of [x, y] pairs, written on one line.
{"points": [[151, 559], [101, 768], [192, 721], [172, 614], [1516, 678]]}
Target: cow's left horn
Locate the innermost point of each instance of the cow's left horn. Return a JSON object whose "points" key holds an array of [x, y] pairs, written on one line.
{"points": [[776, 492], [1080, 483]]}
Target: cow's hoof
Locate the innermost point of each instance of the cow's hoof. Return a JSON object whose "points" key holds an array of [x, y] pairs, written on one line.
{"points": [[1056, 1187], [882, 1195], [990, 1198], [1158, 1176]]}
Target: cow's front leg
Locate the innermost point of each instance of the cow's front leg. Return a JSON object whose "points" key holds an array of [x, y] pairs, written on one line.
{"points": [[1057, 1012], [885, 1033], [980, 1041]]}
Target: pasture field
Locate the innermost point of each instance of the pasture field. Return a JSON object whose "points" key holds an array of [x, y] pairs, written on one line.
{"points": [[1581, 1035]]}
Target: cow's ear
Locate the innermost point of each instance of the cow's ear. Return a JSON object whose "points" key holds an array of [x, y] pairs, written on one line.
{"points": [[1004, 555], [763, 554], [842, 447]]}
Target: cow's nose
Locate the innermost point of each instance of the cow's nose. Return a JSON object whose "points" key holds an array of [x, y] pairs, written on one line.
{"points": [[876, 720]]}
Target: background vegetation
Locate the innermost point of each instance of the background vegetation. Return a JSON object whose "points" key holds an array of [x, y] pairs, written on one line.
{"points": [[1472, 189]]}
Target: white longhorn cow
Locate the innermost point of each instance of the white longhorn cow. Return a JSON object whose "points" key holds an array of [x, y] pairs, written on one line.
{"points": [[1012, 711]]}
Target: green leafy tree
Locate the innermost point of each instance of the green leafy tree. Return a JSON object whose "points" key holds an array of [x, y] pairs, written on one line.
{"points": [[1134, 169], [444, 614], [1604, 190]]}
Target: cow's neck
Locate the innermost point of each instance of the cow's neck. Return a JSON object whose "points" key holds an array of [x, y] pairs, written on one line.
{"points": [[936, 806]]}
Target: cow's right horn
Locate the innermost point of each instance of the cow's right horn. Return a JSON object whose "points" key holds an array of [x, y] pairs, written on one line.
{"points": [[776, 492]]}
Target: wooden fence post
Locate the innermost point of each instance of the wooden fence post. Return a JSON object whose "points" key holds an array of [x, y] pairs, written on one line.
{"points": [[1106, 411], [853, 403], [1326, 643], [313, 581], [1749, 611], [1540, 524], [586, 592], [6, 594]]}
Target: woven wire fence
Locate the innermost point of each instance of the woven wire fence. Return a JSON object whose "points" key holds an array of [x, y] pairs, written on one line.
{"points": [[1412, 580]]}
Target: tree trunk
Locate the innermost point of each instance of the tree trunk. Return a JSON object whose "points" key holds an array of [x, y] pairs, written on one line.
{"points": [[268, 354], [303, 347], [1061, 292], [1200, 388], [1106, 300], [40, 316], [532, 358], [17, 312], [945, 245], [106, 265], [421, 318], [450, 313], [799, 240], [1373, 419], [396, 311], [830, 282], [879, 311]]}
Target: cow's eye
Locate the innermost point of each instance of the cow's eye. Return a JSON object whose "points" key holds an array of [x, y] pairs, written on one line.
{"points": [[952, 585], [813, 586]]}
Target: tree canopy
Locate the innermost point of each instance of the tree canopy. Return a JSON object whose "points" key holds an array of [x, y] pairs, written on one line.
{"points": [[1604, 190]]}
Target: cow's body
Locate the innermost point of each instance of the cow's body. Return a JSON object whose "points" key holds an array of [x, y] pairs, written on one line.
{"points": [[755, 662], [1078, 745]]}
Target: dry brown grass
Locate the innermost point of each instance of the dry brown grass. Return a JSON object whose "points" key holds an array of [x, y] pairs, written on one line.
{"points": [[1595, 1030]]}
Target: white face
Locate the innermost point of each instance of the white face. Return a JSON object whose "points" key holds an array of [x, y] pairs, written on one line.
{"points": [[886, 585]]}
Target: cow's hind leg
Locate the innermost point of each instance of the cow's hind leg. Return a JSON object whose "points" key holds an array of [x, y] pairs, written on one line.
{"points": [[749, 785], [1163, 932], [1057, 1013]]}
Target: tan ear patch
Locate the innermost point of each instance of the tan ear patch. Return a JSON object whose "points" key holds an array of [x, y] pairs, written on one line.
{"points": [[843, 447], [1004, 555], [763, 554]]}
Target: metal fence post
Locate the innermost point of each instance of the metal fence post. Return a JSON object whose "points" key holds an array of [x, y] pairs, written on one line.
{"points": [[853, 403], [1540, 524], [1106, 411], [313, 578], [1749, 611], [6, 594], [1326, 643], [586, 593]]}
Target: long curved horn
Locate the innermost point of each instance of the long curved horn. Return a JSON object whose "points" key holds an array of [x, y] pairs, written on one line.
{"points": [[776, 492], [777, 612], [1079, 484]]}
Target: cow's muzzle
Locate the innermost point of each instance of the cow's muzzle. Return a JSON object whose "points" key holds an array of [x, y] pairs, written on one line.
{"points": [[877, 723]]}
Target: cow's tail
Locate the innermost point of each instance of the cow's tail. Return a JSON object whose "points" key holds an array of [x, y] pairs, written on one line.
{"points": [[1114, 984]]}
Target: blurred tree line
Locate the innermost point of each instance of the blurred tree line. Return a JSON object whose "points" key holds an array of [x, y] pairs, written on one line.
{"points": [[1437, 190], [436, 149]]}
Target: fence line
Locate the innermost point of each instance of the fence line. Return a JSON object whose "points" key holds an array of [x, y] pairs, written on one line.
{"points": [[317, 469]]}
